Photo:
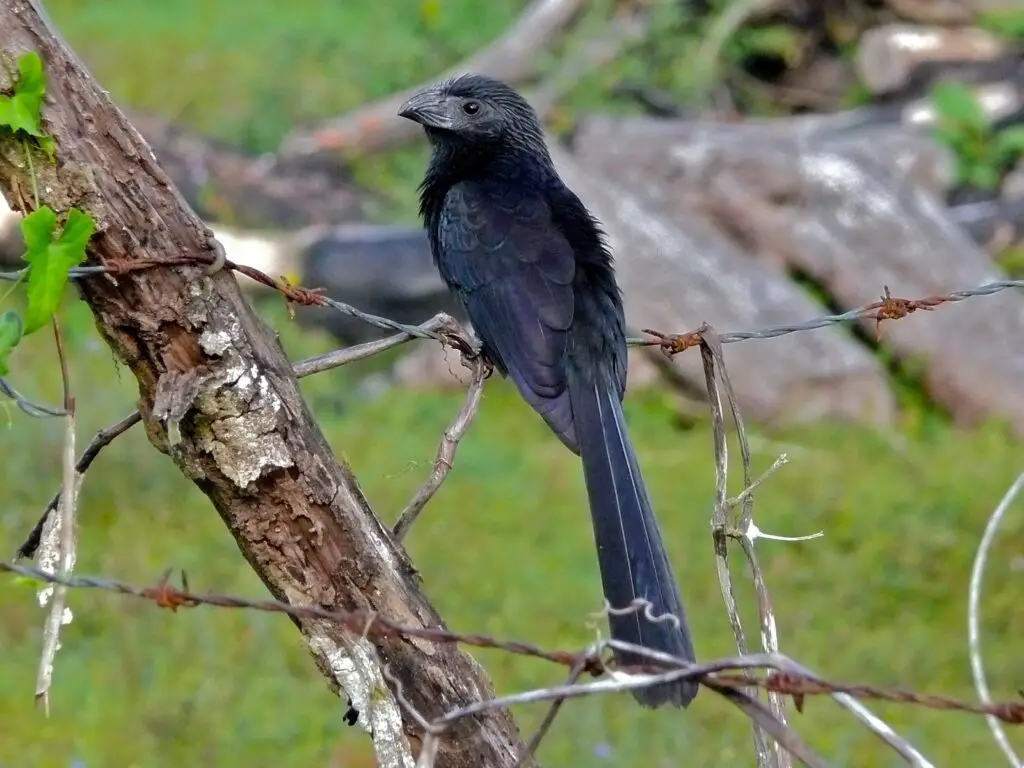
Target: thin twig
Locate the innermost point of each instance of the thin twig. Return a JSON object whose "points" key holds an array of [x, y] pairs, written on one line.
{"points": [[845, 696], [741, 498], [346, 355], [102, 439], [431, 742], [793, 679], [974, 611], [786, 739], [60, 546], [765, 609], [65, 376], [440, 322], [446, 450], [549, 716], [720, 521], [450, 330]]}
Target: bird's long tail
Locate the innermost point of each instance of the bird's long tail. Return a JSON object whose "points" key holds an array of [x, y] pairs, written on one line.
{"points": [[630, 551]]}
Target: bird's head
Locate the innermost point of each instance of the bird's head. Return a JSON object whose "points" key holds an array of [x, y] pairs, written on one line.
{"points": [[474, 110]]}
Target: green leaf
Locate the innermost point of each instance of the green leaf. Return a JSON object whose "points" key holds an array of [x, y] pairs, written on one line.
{"points": [[10, 335], [956, 103], [37, 229], [50, 258], [21, 111], [78, 228], [1010, 142], [32, 83], [984, 176], [777, 39], [946, 135], [1006, 22]]}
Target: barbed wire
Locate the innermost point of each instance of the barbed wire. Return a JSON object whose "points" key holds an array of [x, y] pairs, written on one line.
{"points": [[365, 623], [888, 307], [780, 679], [296, 294]]}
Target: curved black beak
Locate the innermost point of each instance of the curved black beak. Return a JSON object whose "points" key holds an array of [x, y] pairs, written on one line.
{"points": [[428, 108]]}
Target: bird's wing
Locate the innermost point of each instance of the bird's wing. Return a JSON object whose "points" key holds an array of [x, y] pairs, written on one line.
{"points": [[514, 270]]}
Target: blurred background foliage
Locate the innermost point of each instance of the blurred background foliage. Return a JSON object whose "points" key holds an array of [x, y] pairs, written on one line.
{"points": [[505, 547]]}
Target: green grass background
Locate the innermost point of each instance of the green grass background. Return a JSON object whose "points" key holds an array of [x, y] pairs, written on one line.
{"points": [[505, 548]]}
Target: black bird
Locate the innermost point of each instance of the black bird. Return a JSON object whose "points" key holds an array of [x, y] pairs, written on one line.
{"points": [[533, 270]]}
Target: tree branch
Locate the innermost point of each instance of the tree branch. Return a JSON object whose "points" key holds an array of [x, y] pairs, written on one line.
{"points": [[446, 450], [60, 544], [217, 394], [376, 126]]}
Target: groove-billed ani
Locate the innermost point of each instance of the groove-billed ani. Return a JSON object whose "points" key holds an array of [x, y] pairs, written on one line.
{"points": [[531, 265]]}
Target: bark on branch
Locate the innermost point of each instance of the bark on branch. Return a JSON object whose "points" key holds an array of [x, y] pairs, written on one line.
{"points": [[218, 395]]}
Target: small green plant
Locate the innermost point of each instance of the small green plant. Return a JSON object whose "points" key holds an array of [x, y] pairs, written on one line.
{"points": [[10, 334], [50, 250], [982, 153], [686, 54], [1007, 22], [1012, 260], [779, 40], [51, 255]]}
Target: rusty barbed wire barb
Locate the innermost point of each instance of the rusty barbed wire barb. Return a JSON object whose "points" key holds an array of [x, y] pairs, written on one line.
{"points": [[297, 294], [887, 304], [733, 678], [893, 308], [720, 673], [888, 308], [673, 343], [166, 595], [798, 685]]}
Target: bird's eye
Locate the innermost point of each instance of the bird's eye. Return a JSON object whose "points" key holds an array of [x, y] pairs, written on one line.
{"points": [[471, 107]]}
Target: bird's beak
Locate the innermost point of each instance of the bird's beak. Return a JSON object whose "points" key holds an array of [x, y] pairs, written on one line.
{"points": [[428, 108]]}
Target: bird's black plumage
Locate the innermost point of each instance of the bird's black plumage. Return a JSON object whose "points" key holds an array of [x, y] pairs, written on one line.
{"points": [[531, 266]]}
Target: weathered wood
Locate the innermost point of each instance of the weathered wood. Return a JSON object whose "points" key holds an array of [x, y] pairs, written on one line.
{"points": [[851, 218], [224, 184], [217, 393]]}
